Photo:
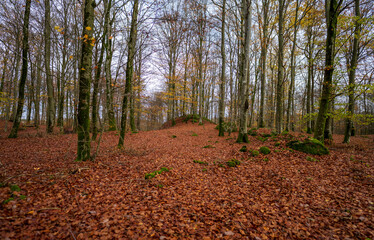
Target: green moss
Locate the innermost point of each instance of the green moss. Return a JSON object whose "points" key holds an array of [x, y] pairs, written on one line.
{"points": [[264, 150], [194, 134], [8, 200], [15, 188], [262, 139], [200, 162], [209, 146], [204, 170], [22, 197], [266, 135], [266, 159], [252, 132], [243, 149], [255, 153], [310, 146], [277, 144], [173, 136], [155, 173], [233, 163], [311, 159]]}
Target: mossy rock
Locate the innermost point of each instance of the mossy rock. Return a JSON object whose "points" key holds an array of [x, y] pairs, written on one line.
{"points": [[264, 150], [310, 146], [233, 163], [255, 153]]}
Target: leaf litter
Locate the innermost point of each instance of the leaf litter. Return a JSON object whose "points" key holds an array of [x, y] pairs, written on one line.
{"points": [[278, 196]]}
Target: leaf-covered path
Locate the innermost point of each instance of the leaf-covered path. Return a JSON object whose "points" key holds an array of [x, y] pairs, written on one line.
{"points": [[281, 195]]}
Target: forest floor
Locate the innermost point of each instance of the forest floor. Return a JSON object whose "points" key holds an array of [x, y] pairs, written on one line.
{"points": [[45, 194]]}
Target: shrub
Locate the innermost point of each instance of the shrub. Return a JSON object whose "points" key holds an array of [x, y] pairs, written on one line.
{"points": [[310, 146], [264, 150]]}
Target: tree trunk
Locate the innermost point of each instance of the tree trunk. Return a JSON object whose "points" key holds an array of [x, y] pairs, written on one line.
{"points": [[21, 89], [84, 142], [279, 92], [47, 57], [332, 12], [129, 71], [94, 114], [264, 44], [221, 110], [244, 68], [292, 84], [351, 74]]}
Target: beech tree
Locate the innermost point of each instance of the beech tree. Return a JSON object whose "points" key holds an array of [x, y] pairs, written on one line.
{"points": [[22, 82], [84, 142]]}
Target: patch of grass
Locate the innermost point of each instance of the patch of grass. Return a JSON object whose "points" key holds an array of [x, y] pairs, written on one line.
{"points": [[311, 159], [22, 197], [310, 146], [194, 134], [209, 146], [277, 144], [255, 153], [204, 170], [15, 188], [277, 150], [266, 135], [266, 159], [221, 165], [243, 149], [155, 173], [200, 162], [264, 150], [159, 185], [233, 163]]}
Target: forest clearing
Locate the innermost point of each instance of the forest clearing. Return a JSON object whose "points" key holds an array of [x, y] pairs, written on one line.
{"points": [[282, 195]]}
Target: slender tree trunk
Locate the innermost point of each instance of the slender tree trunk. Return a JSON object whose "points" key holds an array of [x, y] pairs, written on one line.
{"points": [[279, 104], [264, 44], [223, 71], [351, 73], [37, 90], [84, 142], [94, 113], [292, 84], [129, 71], [25, 49], [332, 12], [244, 68], [5, 63], [49, 79]]}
